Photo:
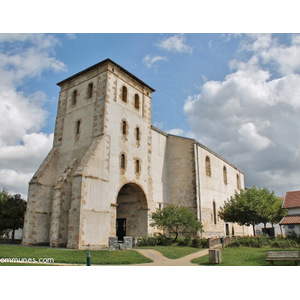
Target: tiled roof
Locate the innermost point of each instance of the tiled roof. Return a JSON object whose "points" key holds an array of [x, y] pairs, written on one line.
{"points": [[290, 220], [292, 199]]}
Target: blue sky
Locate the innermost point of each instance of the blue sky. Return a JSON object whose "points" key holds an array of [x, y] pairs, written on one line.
{"points": [[237, 94]]}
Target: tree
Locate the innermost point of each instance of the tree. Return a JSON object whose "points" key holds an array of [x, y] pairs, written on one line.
{"points": [[251, 207], [12, 211], [176, 219], [4, 196], [270, 209]]}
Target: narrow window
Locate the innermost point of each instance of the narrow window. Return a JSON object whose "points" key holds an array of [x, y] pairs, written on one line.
{"points": [[90, 90], [207, 166], [137, 134], [238, 183], [78, 127], [124, 127], [123, 158], [225, 175], [124, 94], [136, 101], [74, 97], [215, 212], [137, 166]]}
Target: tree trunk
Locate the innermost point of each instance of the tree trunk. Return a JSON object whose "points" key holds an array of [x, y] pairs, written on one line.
{"points": [[176, 236], [13, 235], [265, 226], [253, 229]]}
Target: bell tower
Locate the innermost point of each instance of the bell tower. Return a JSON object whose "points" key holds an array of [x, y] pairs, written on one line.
{"points": [[102, 142]]}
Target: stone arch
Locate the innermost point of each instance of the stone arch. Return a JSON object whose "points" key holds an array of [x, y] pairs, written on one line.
{"points": [[132, 211]]}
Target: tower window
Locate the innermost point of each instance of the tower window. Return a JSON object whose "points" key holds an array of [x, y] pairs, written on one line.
{"points": [[90, 90], [137, 134], [124, 94], [136, 101], [124, 128], [137, 166], [123, 161], [207, 166], [74, 97], [78, 123], [225, 175]]}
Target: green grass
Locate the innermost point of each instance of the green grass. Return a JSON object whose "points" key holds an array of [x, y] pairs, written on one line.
{"points": [[100, 257], [245, 256], [174, 251]]}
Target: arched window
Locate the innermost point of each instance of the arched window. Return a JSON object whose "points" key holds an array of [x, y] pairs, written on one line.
{"points": [[78, 123], [124, 94], [124, 127], [74, 97], [207, 166], [225, 175], [215, 212], [90, 90], [238, 182], [137, 166], [136, 101], [137, 134], [123, 161]]}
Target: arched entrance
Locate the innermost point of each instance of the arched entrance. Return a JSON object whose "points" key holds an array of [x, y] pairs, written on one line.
{"points": [[132, 212]]}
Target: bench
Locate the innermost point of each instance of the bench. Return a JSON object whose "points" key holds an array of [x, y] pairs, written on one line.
{"points": [[283, 256]]}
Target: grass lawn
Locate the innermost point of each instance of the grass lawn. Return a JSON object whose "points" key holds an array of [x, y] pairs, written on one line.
{"points": [[100, 257], [173, 251], [245, 256]]}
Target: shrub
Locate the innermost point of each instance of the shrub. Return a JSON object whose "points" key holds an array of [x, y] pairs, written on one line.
{"points": [[261, 241], [147, 241], [184, 241], [200, 243], [163, 240]]}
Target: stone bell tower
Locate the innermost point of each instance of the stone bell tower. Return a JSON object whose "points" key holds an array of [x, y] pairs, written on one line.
{"points": [[99, 169]]}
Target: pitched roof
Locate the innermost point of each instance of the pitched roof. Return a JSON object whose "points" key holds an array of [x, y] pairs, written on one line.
{"points": [[292, 199], [293, 219], [108, 60]]}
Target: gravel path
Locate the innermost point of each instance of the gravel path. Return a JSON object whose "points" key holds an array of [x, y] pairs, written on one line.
{"points": [[160, 260]]}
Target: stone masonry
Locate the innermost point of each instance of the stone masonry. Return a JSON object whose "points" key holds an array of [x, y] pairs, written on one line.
{"points": [[109, 169]]}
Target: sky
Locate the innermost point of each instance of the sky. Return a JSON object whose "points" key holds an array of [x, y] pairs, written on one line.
{"points": [[238, 94]]}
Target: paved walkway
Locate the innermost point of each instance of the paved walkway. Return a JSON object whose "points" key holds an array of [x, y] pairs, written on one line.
{"points": [[160, 260]]}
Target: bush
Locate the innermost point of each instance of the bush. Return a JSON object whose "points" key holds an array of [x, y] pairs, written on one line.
{"points": [[157, 239], [184, 241], [200, 243], [147, 241], [163, 240], [262, 241]]}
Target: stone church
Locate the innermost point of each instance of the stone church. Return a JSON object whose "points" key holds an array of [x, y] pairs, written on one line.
{"points": [[109, 168]]}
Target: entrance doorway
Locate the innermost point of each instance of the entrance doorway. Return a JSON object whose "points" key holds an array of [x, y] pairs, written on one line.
{"points": [[121, 229], [132, 212]]}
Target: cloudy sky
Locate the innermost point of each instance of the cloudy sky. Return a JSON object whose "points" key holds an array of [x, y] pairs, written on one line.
{"points": [[238, 94]]}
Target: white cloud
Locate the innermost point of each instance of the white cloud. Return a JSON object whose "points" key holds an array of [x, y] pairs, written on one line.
{"points": [[252, 116], [176, 131], [22, 115], [175, 43], [149, 60]]}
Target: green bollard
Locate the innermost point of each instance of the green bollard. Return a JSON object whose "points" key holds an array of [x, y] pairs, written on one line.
{"points": [[88, 259]]}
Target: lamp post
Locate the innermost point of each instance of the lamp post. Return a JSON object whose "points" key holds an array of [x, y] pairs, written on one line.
{"points": [[88, 259]]}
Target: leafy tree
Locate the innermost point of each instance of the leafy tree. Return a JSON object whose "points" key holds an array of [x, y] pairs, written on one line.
{"points": [[12, 211], [251, 207], [270, 209], [176, 219], [4, 196], [278, 212]]}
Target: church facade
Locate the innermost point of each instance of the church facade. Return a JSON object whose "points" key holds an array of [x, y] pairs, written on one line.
{"points": [[109, 168]]}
